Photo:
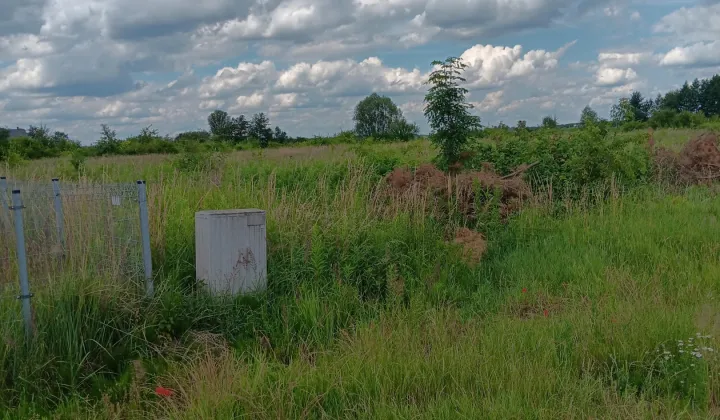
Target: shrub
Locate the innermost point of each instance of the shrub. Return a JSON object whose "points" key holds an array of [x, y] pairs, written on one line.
{"points": [[581, 160]]}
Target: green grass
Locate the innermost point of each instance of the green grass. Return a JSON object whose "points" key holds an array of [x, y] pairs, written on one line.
{"points": [[616, 282], [371, 313]]}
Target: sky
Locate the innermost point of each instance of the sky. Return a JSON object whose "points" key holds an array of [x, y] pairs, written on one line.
{"points": [[73, 65]]}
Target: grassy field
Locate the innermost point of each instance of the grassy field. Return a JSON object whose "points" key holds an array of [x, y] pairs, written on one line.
{"points": [[590, 308]]}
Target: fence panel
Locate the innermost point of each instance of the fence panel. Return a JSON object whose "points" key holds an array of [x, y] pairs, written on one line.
{"points": [[78, 230]]}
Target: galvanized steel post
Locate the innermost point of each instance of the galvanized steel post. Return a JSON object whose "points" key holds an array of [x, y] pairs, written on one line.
{"points": [[25, 295], [3, 198], [59, 219], [145, 235]]}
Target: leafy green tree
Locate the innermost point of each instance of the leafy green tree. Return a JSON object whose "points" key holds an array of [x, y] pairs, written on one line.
{"points": [[663, 118], [260, 129], [147, 135], [4, 143], [221, 124], [641, 106], [588, 117], [622, 112], [549, 122], [402, 130], [710, 96], [199, 136], [239, 131], [375, 116], [447, 110], [280, 136], [108, 144]]}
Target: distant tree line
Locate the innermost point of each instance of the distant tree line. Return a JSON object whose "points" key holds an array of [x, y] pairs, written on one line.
{"points": [[693, 105], [39, 143]]}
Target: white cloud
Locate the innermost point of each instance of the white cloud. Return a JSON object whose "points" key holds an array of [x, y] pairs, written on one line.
{"points": [[493, 65], [635, 16], [244, 76], [700, 23], [75, 63], [492, 101], [700, 54], [616, 59], [610, 76], [612, 11]]}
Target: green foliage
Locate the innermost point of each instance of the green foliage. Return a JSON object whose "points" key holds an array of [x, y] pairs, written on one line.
{"points": [[549, 122], [78, 161], [676, 368], [38, 144], [109, 144], [378, 117], [4, 143], [623, 112], [357, 281], [197, 159], [401, 130], [280, 136], [260, 129], [588, 117], [199, 136], [221, 124], [447, 110], [582, 160]]}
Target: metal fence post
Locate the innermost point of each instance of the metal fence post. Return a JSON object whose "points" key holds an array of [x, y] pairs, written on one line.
{"points": [[59, 219], [145, 234], [3, 198], [25, 295]]}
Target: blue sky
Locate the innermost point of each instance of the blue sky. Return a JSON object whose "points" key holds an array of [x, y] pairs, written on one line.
{"points": [[75, 64]]}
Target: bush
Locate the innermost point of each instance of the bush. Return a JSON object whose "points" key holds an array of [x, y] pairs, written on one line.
{"points": [[572, 163], [195, 158]]}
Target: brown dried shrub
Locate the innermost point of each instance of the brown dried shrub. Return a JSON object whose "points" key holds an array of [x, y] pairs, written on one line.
{"points": [[400, 178], [697, 163], [473, 245], [513, 189]]}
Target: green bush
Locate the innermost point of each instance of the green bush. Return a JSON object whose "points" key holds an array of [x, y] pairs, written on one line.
{"points": [[571, 163]]}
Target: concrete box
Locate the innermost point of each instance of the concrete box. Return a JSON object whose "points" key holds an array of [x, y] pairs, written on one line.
{"points": [[231, 250]]}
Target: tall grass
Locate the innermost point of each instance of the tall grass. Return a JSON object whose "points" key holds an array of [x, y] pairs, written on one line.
{"points": [[563, 320], [370, 311]]}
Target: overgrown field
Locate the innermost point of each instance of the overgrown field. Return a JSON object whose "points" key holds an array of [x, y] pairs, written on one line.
{"points": [[596, 298]]}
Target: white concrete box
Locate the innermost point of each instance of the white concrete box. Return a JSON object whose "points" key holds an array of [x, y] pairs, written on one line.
{"points": [[231, 250]]}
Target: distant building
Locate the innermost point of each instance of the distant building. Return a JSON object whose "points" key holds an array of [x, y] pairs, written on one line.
{"points": [[18, 132]]}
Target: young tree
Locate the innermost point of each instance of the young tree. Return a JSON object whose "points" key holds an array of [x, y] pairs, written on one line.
{"points": [[260, 129], [710, 96], [623, 112], [588, 117], [239, 129], [402, 130], [447, 110], [549, 122], [41, 134], [280, 136], [221, 124], [147, 134], [108, 144], [375, 115], [641, 107]]}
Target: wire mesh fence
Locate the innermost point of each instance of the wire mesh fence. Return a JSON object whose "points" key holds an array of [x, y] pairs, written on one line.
{"points": [[73, 230]]}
